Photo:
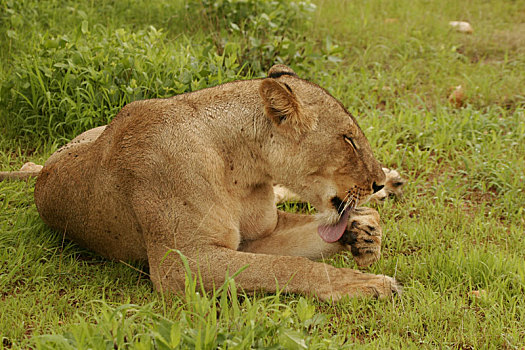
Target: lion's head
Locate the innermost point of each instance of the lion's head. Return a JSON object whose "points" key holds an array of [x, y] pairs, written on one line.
{"points": [[318, 149]]}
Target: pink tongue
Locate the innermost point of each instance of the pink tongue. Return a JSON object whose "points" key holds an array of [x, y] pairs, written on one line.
{"points": [[332, 233]]}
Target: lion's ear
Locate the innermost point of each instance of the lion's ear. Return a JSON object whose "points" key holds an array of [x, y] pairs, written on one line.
{"points": [[282, 106]]}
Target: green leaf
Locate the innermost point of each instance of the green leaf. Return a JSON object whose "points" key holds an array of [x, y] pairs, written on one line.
{"points": [[291, 340], [304, 311], [82, 14], [175, 335], [85, 27], [12, 34]]}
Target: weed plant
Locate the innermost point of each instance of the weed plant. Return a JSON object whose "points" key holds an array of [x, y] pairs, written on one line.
{"points": [[455, 239]]}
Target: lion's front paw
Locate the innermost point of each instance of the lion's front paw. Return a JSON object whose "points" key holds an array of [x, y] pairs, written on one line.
{"points": [[383, 286], [393, 186], [363, 236]]}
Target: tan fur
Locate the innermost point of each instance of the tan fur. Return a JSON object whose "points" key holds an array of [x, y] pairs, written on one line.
{"points": [[195, 174]]}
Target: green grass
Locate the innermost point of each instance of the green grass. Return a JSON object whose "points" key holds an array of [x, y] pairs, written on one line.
{"points": [[67, 66]]}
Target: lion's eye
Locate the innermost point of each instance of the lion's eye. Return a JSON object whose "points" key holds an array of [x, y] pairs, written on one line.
{"points": [[350, 141]]}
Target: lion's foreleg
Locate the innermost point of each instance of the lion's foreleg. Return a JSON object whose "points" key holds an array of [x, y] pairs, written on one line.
{"points": [[208, 244], [261, 272], [294, 235]]}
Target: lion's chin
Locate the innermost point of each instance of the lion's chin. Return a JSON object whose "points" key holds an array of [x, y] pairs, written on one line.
{"points": [[328, 217]]}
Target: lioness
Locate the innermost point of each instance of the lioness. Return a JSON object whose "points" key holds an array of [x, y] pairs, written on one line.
{"points": [[194, 174]]}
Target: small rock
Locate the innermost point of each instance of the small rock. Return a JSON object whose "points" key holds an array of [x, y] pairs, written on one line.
{"points": [[457, 97], [462, 27], [478, 293], [391, 20]]}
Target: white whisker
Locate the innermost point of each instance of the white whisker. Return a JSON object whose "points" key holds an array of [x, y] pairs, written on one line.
{"points": [[347, 203], [351, 204], [343, 202], [356, 203]]}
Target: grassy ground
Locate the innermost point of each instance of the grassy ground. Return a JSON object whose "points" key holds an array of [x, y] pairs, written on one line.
{"points": [[455, 240]]}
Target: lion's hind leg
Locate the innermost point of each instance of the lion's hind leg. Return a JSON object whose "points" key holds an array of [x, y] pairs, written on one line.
{"points": [[393, 186], [85, 138], [283, 194]]}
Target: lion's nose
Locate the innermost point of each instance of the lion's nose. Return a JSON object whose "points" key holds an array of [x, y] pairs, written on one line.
{"points": [[376, 187]]}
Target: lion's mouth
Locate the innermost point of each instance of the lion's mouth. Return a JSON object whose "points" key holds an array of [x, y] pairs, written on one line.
{"points": [[332, 233]]}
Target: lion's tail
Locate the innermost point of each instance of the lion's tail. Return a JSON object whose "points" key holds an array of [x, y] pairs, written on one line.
{"points": [[18, 175], [27, 171]]}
